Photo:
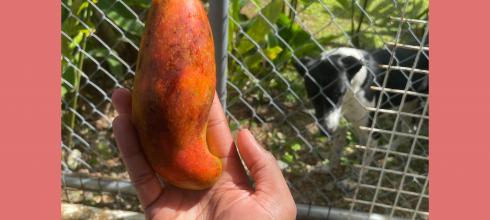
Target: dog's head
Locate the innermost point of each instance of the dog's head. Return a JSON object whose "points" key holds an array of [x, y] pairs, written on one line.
{"points": [[327, 80]]}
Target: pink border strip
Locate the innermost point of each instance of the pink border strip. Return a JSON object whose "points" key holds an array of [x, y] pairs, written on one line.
{"points": [[459, 110], [30, 109]]}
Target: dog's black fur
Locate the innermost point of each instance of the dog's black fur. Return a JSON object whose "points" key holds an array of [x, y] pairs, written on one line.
{"points": [[329, 79]]}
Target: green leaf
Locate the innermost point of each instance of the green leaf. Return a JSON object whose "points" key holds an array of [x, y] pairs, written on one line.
{"points": [[64, 90], [312, 49], [129, 25], [79, 38], [69, 76], [344, 161], [288, 157], [283, 58], [122, 17], [272, 40], [115, 66], [344, 4], [82, 7], [272, 53], [82, 34], [292, 32], [238, 19], [296, 147], [252, 61], [259, 27]]}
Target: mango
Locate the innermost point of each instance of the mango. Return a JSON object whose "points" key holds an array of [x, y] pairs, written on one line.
{"points": [[173, 92]]}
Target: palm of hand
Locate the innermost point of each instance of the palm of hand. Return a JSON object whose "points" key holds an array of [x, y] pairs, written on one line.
{"points": [[226, 200], [232, 197]]}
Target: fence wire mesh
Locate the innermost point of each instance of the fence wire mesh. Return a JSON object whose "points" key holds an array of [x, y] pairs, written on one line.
{"points": [[383, 172]]}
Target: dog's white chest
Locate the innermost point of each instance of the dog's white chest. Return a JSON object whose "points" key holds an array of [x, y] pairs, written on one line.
{"points": [[354, 107]]}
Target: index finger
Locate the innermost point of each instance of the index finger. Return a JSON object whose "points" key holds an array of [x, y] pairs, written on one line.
{"points": [[221, 144], [121, 98], [218, 134]]}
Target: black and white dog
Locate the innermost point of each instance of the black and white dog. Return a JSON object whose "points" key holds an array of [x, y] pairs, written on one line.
{"points": [[339, 83]]}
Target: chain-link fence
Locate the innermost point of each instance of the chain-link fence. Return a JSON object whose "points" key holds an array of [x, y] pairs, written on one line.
{"points": [[279, 85]]}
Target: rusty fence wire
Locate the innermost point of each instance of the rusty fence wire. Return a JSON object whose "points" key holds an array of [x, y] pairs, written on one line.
{"points": [[332, 175]]}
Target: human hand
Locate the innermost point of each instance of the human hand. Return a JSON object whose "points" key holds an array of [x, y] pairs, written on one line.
{"points": [[231, 197]]}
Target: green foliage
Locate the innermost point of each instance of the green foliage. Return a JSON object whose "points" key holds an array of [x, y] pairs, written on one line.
{"points": [[265, 41], [116, 23], [259, 26], [268, 46], [373, 31], [268, 41], [292, 153], [285, 36], [123, 18], [77, 28], [89, 27]]}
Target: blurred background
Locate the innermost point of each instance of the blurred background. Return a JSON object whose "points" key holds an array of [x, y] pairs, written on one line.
{"points": [[263, 92]]}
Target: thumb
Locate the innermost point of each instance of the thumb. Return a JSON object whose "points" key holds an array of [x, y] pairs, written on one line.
{"points": [[262, 165]]}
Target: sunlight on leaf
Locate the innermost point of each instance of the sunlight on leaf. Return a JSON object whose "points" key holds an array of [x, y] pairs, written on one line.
{"points": [[259, 27]]}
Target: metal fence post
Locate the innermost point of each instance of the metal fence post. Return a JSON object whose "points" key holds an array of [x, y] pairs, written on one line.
{"points": [[218, 17]]}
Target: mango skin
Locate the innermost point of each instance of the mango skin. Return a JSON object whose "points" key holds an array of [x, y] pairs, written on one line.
{"points": [[173, 92]]}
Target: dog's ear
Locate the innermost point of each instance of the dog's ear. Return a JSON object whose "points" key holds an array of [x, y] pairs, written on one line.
{"points": [[305, 64], [351, 64]]}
